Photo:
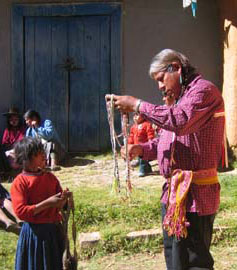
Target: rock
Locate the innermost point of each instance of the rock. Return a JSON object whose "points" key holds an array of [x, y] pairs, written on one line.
{"points": [[87, 240], [144, 234]]}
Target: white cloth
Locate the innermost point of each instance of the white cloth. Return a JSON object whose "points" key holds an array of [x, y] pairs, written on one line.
{"points": [[186, 3], [10, 153], [193, 3]]}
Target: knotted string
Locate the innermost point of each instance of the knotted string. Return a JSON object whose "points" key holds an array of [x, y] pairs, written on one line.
{"points": [[114, 139], [69, 261], [124, 120]]}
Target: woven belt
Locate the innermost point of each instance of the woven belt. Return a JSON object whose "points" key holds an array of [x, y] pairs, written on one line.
{"points": [[175, 221], [205, 177]]}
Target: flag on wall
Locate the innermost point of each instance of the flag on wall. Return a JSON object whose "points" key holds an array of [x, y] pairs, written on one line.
{"points": [[193, 3]]}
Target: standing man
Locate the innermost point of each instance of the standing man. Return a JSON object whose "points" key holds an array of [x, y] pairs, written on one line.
{"points": [[188, 151]]}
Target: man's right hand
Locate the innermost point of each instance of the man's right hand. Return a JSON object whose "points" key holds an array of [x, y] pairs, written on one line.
{"points": [[134, 150]]}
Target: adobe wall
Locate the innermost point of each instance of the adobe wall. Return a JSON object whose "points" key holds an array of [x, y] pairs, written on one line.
{"points": [[148, 27], [228, 11]]}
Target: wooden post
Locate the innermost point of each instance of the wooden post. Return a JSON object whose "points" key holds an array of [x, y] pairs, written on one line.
{"points": [[228, 11]]}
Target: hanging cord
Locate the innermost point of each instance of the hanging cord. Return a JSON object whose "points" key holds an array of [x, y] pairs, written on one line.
{"points": [[69, 261], [110, 114], [124, 120], [114, 138]]}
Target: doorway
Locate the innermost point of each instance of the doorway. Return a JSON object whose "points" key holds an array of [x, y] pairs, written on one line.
{"points": [[68, 67]]}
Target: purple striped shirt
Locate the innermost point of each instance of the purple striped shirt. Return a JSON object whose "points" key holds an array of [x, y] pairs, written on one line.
{"points": [[197, 138]]}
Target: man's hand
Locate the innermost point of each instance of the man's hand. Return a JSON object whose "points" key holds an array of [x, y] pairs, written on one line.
{"points": [[123, 103], [134, 150], [169, 99]]}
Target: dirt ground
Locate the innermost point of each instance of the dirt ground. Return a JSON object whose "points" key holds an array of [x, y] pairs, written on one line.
{"points": [[118, 262], [96, 172], [225, 259]]}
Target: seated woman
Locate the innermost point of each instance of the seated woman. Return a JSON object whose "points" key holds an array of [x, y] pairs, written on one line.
{"points": [[46, 132], [8, 220], [15, 131]]}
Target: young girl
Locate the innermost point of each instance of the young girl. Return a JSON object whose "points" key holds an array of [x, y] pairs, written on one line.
{"points": [[46, 132], [37, 198]]}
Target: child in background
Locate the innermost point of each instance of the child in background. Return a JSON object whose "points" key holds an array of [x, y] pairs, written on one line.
{"points": [[15, 131], [37, 198], [44, 130], [141, 132]]}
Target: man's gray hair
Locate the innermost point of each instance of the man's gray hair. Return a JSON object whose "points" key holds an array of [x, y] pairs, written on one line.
{"points": [[164, 58]]}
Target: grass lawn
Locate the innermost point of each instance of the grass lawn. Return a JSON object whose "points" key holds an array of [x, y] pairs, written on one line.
{"points": [[114, 216]]}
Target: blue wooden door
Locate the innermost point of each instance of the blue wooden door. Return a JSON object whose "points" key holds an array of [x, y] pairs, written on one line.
{"points": [[67, 73]]}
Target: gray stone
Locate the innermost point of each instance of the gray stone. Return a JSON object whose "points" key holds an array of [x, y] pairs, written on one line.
{"points": [[87, 240], [144, 234]]}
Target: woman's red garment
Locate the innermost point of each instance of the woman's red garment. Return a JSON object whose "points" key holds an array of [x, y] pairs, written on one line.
{"points": [[10, 136]]}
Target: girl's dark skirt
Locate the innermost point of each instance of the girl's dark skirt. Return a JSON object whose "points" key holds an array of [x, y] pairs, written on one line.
{"points": [[40, 247]]}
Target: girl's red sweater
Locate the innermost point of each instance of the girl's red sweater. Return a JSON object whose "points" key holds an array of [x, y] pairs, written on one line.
{"points": [[29, 189]]}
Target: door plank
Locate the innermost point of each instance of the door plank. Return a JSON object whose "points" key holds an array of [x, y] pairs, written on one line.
{"points": [[29, 93], [59, 98], [85, 85], [43, 66], [105, 80]]}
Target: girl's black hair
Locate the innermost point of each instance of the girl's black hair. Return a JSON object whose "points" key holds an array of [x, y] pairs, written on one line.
{"points": [[26, 149], [31, 114]]}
